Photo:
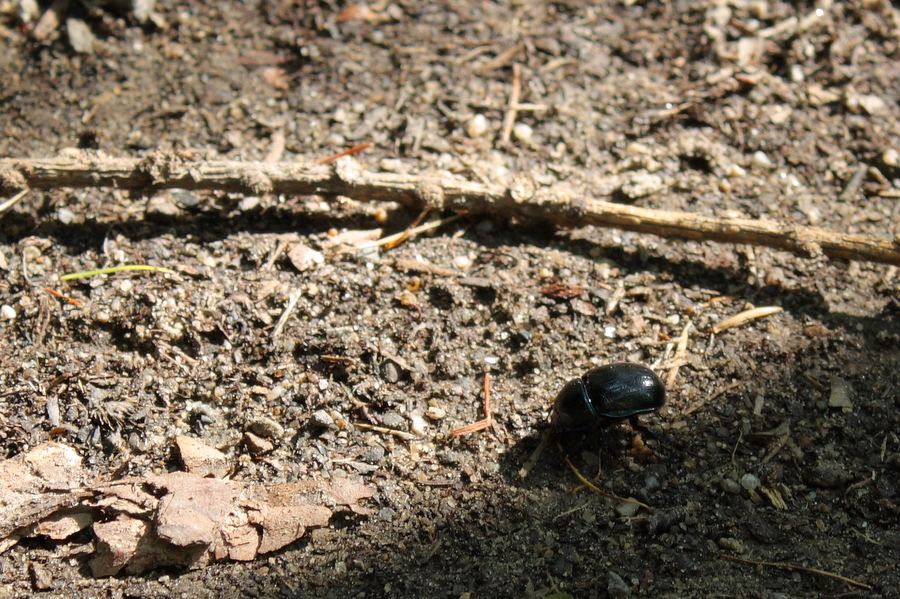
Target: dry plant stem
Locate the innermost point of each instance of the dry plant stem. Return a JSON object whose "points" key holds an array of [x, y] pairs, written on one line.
{"points": [[481, 424], [746, 316], [536, 455], [849, 581], [510, 119], [347, 152], [347, 178], [11, 201], [288, 310], [387, 431], [594, 487], [680, 354]]}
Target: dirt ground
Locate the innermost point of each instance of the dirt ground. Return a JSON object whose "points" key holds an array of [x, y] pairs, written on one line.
{"points": [[750, 108]]}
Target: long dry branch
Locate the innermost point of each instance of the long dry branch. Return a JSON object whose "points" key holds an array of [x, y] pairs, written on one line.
{"points": [[522, 199]]}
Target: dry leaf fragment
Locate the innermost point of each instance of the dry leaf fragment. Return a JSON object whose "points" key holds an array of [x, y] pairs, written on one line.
{"points": [[304, 257]]}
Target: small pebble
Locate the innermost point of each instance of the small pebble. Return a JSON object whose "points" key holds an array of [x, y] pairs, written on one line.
{"points": [[641, 184], [65, 216], [750, 482], [418, 426], [390, 371], [523, 132], [732, 545], [730, 486], [617, 587], [735, 171], [386, 514], [462, 262], [267, 428], [436, 413], [891, 158], [322, 418], [841, 394], [477, 126], [627, 510], [276, 393], [304, 257], [257, 445], [373, 455], [760, 160], [779, 114], [41, 576], [80, 36], [872, 104], [335, 140], [392, 420], [7, 312]]}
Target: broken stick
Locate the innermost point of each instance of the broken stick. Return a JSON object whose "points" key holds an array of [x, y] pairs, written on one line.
{"points": [[347, 177]]}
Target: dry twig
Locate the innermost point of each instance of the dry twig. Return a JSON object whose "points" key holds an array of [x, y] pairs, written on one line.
{"points": [[487, 420], [510, 119], [849, 581], [597, 490], [348, 178], [746, 316]]}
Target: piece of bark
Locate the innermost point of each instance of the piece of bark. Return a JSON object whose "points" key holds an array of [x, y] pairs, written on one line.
{"points": [[201, 459], [126, 496], [176, 519], [36, 484], [129, 543], [198, 520], [61, 526], [192, 508]]}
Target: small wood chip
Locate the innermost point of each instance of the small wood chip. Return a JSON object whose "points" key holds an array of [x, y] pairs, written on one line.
{"points": [[746, 316]]}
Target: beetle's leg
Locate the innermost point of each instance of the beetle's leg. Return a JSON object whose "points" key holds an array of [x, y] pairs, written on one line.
{"points": [[570, 442], [606, 443], [637, 426]]}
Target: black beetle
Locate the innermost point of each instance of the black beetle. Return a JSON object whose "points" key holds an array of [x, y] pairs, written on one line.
{"points": [[608, 394]]}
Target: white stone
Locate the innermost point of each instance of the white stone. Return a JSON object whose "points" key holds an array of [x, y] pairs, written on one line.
{"points": [[418, 426], [477, 126], [523, 132]]}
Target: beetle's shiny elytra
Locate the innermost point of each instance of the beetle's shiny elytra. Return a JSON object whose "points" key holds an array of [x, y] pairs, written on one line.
{"points": [[605, 395]]}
